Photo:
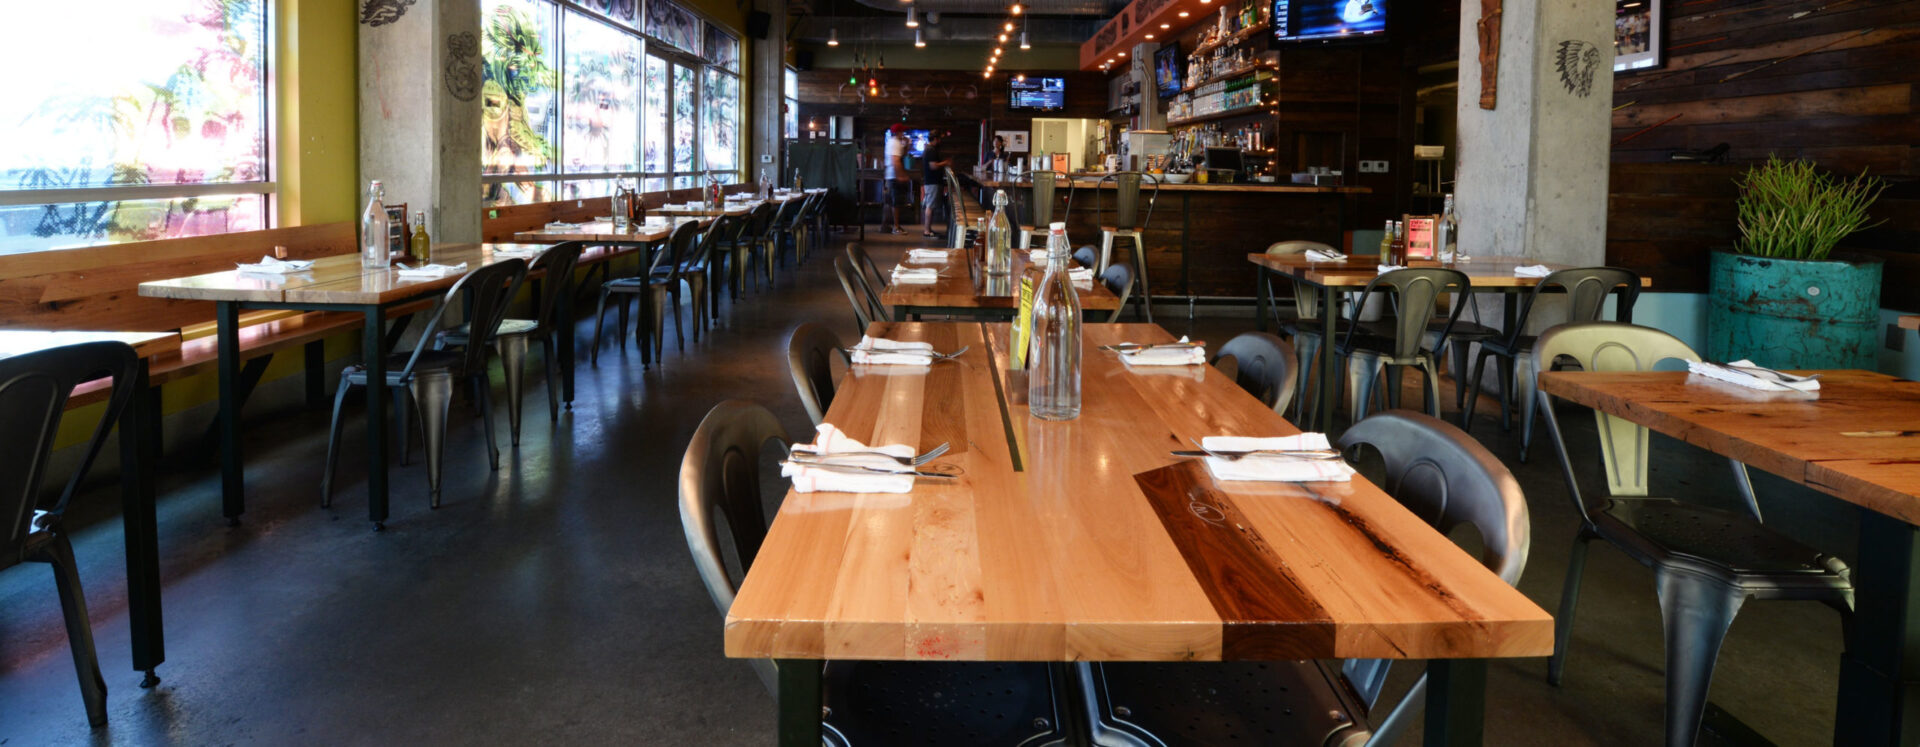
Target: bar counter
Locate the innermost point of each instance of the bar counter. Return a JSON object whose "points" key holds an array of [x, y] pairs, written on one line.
{"points": [[1198, 235]]}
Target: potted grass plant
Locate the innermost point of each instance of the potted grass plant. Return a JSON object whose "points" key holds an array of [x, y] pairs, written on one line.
{"points": [[1783, 298]]}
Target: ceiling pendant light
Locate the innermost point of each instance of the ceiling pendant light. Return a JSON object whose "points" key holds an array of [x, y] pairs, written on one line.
{"points": [[833, 37], [1024, 44], [913, 17], [918, 39]]}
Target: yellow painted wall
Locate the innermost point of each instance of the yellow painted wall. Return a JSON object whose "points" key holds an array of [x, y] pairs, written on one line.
{"points": [[318, 127]]}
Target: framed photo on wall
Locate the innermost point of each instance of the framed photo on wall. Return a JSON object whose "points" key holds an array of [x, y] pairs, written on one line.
{"points": [[1636, 34]]}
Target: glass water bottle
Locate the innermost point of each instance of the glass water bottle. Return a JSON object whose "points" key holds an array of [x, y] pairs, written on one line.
{"points": [[999, 237], [1053, 384], [374, 228]]}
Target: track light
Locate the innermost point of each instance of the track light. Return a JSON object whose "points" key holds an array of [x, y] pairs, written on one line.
{"points": [[913, 17], [918, 39], [1024, 44], [833, 37]]}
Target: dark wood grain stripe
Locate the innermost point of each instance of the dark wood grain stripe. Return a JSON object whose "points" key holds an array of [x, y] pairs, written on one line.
{"points": [[943, 419], [1239, 572]]}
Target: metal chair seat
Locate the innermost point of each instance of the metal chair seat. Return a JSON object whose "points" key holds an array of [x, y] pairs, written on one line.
{"points": [[508, 327], [430, 360], [942, 703], [1266, 702], [1667, 531]]}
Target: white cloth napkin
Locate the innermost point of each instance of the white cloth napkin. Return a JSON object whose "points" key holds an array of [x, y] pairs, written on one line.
{"points": [[811, 479], [1169, 356], [929, 256], [892, 357], [1080, 274], [1276, 468], [1315, 255], [1452, 257], [517, 252], [1532, 271], [428, 272], [882, 344], [1384, 269], [559, 226], [276, 266], [915, 275], [1758, 381]]}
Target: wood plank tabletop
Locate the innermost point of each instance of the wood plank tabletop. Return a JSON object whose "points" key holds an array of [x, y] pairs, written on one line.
{"points": [[145, 344], [1357, 270], [383, 286], [1086, 540], [233, 285], [959, 289], [1855, 440], [734, 208]]}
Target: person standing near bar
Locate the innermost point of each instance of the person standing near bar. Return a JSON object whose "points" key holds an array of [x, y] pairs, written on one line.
{"points": [[894, 190], [935, 181]]}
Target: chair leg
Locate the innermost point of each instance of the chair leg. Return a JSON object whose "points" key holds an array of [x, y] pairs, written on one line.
{"points": [[679, 340], [73, 606], [1509, 384], [1304, 348], [433, 393], [1472, 402], [1695, 612], [599, 321], [621, 332], [1432, 372], [696, 302], [1140, 275], [513, 361], [1526, 370], [333, 443], [1569, 600], [554, 372], [1464, 389], [486, 421], [1106, 253], [401, 431]]}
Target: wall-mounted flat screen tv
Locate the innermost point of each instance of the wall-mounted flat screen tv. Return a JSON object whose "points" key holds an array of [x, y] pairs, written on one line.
{"points": [[1037, 95], [1328, 20], [1166, 71]]}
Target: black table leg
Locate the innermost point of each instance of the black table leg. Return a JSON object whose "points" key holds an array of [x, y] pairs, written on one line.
{"points": [[1329, 389], [1262, 295], [138, 426], [1879, 691], [375, 353], [1456, 702], [799, 702], [233, 499], [566, 334]]}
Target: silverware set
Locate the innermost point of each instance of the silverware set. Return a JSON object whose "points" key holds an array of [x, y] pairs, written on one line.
{"points": [[1134, 347], [936, 356], [816, 460], [1312, 455]]}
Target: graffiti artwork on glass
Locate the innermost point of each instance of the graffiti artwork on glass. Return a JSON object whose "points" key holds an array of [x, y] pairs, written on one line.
{"points": [[722, 114], [722, 49], [603, 98], [188, 108], [674, 25], [618, 10], [517, 97]]}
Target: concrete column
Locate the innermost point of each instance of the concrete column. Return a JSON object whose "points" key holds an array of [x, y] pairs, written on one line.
{"points": [[420, 109], [1532, 179], [764, 84]]}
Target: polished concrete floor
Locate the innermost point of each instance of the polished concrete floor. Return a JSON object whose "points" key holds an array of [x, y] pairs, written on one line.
{"points": [[554, 601]]}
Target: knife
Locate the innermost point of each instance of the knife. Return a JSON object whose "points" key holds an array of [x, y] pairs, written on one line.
{"points": [[855, 469]]}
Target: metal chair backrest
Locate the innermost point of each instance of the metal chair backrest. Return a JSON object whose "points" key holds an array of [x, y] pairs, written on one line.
{"points": [[1306, 298], [864, 262], [857, 258], [34, 388], [1608, 346], [759, 223], [1086, 256], [680, 246], [810, 354], [1417, 291], [1262, 365], [1045, 185], [1119, 281], [559, 262], [1447, 479], [1126, 198], [1586, 289], [861, 313], [783, 219], [720, 478], [723, 227], [960, 222], [492, 288]]}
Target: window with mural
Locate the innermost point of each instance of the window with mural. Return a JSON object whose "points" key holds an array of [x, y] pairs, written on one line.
{"points": [[578, 94], [165, 143]]}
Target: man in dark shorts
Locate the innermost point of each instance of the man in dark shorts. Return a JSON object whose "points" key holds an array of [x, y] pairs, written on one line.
{"points": [[893, 188], [933, 171]]}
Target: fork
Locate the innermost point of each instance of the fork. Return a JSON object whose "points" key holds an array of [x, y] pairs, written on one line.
{"points": [[1234, 456], [912, 461]]}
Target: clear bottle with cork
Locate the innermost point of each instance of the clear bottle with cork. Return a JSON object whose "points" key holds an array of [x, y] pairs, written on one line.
{"points": [[1053, 383], [375, 228], [999, 237], [1447, 234]]}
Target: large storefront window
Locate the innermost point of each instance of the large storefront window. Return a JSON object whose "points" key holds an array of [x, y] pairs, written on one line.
{"points": [[165, 138], [662, 108]]}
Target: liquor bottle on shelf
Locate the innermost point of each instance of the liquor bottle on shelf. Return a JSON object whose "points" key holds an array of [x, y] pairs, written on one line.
{"points": [[1053, 384]]}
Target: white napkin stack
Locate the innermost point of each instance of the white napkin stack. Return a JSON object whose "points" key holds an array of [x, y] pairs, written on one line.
{"points": [[1276, 468], [559, 226], [869, 342], [1384, 269], [276, 266], [879, 351], [1168, 356], [1532, 271], [429, 272], [1452, 257], [1732, 374], [1315, 255], [915, 275], [517, 252], [927, 256], [812, 479]]}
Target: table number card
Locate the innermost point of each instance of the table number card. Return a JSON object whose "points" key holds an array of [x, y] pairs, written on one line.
{"points": [[1420, 231], [1022, 326]]}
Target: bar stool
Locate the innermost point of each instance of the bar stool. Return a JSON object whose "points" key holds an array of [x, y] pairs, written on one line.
{"points": [[1041, 209], [1128, 224]]}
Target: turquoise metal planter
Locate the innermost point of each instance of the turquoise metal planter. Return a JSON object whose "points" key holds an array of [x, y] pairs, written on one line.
{"points": [[1792, 313]]}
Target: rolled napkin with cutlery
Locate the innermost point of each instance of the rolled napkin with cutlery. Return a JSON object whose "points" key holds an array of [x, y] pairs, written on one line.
{"points": [[1315, 255], [1277, 467], [559, 226], [1384, 269], [882, 344], [1182, 353], [892, 357], [915, 275], [826, 472], [429, 272], [927, 255], [1080, 274], [1747, 374], [1532, 271], [274, 266]]}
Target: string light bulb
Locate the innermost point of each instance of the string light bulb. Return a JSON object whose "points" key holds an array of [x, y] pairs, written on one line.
{"points": [[1016, 9], [1008, 27]]}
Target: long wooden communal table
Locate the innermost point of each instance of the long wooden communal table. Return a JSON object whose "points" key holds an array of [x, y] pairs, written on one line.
{"points": [[966, 290], [1085, 541], [333, 284], [139, 439], [1855, 441], [1353, 273]]}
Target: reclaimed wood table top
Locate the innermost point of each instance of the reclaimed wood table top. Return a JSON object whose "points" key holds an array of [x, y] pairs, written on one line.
{"points": [[336, 279], [387, 285], [959, 288], [234, 285], [1357, 270], [1086, 540], [734, 208], [24, 341], [601, 231], [1855, 439]]}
